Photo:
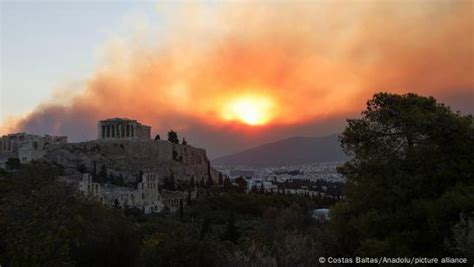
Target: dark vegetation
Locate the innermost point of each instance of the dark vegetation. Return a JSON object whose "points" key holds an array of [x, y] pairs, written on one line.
{"points": [[46, 222], [410, 184], [409, 192], [173, 137]]}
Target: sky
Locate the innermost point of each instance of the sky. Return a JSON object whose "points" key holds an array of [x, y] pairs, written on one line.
{"points": [[226, 75]]}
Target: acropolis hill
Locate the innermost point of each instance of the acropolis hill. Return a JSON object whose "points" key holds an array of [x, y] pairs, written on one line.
{"points": [[124, 149]]}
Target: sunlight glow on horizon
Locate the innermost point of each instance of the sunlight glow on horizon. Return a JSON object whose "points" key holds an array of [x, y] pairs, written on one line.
{"points": [[251, 110]]}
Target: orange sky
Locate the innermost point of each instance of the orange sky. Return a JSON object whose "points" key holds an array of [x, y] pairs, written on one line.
{"points": [[234, 75]]}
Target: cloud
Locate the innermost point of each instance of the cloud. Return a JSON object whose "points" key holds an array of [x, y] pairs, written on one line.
{"points": [[317, 62]]}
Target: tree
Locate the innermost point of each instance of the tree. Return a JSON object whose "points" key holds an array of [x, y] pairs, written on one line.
{"points": [[231, 233], [169, 183], [184, 142], [157, 137], [181, 209], [221, 181], [240, 181], [82, 168], [13, 163], [94, 169], [173, 137], [102, 177], [409, 179], [209, 181], [46, 222], [188, 198], [227, 183]]}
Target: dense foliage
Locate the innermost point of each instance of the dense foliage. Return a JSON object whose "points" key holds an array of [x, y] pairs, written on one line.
{"points": [[46, 222], [410, 183], [173, 137]]}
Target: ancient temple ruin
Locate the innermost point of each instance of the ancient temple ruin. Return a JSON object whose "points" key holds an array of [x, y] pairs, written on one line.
{"points": [[146, 196], [121, 128], [26, 147]]}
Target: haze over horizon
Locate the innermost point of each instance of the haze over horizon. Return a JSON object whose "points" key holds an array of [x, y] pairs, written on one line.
{"points": [[227, 76]]}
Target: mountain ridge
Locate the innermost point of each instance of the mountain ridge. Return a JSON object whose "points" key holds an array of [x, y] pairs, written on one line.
{"points": [[289, 151]]}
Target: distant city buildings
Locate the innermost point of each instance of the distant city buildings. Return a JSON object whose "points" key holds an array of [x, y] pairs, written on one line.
{"points": [[122, 128], [312, 180], [241, 173]]}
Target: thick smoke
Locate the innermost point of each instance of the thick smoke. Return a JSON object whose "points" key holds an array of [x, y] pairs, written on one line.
{"points": [[319, 62]]}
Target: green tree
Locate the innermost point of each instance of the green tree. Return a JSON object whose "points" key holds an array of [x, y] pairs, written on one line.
{"points": [[46, 222], [242, 184], [409, 179], [173, 137], [184, 142], [231, 232], [157, 137], [221, 180], [13, 163], [102, 176], [209, 181], [169, 183], [82, 168]]}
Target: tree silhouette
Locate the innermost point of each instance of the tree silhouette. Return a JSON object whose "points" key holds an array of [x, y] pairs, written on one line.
{"points": [[413, 157], [231, 233], [13, 163], [221, 181], [173, 137]]}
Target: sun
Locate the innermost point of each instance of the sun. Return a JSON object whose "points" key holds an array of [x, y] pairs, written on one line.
{"points": [[251, 110]]}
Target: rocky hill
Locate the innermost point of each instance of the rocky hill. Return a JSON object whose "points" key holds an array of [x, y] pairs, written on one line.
{"points": [[129, 158]]}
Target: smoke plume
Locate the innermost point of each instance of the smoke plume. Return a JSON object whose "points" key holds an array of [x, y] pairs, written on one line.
{"points": [[318, 63]]}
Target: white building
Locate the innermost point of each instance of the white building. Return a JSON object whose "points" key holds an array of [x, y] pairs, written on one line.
{"points": [[145, 197]]}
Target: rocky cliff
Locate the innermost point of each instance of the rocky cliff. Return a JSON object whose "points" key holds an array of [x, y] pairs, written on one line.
{"points": [[128, 159]]}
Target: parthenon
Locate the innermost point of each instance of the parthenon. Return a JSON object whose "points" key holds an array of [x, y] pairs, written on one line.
{"points": [[122, 128]]}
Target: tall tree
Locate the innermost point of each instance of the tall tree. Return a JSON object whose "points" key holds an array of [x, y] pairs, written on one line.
{"points": [[410, 177], [173, 137], [13, 163]]}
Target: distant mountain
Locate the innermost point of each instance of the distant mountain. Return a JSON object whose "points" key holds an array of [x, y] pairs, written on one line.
{"points": [[291, 151]]}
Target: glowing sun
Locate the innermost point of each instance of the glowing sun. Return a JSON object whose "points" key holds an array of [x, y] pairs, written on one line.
{"points": [[251, 110]]}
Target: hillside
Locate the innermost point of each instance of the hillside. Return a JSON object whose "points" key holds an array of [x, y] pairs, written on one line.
{"points": [[128, 158], [291, 151]]}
